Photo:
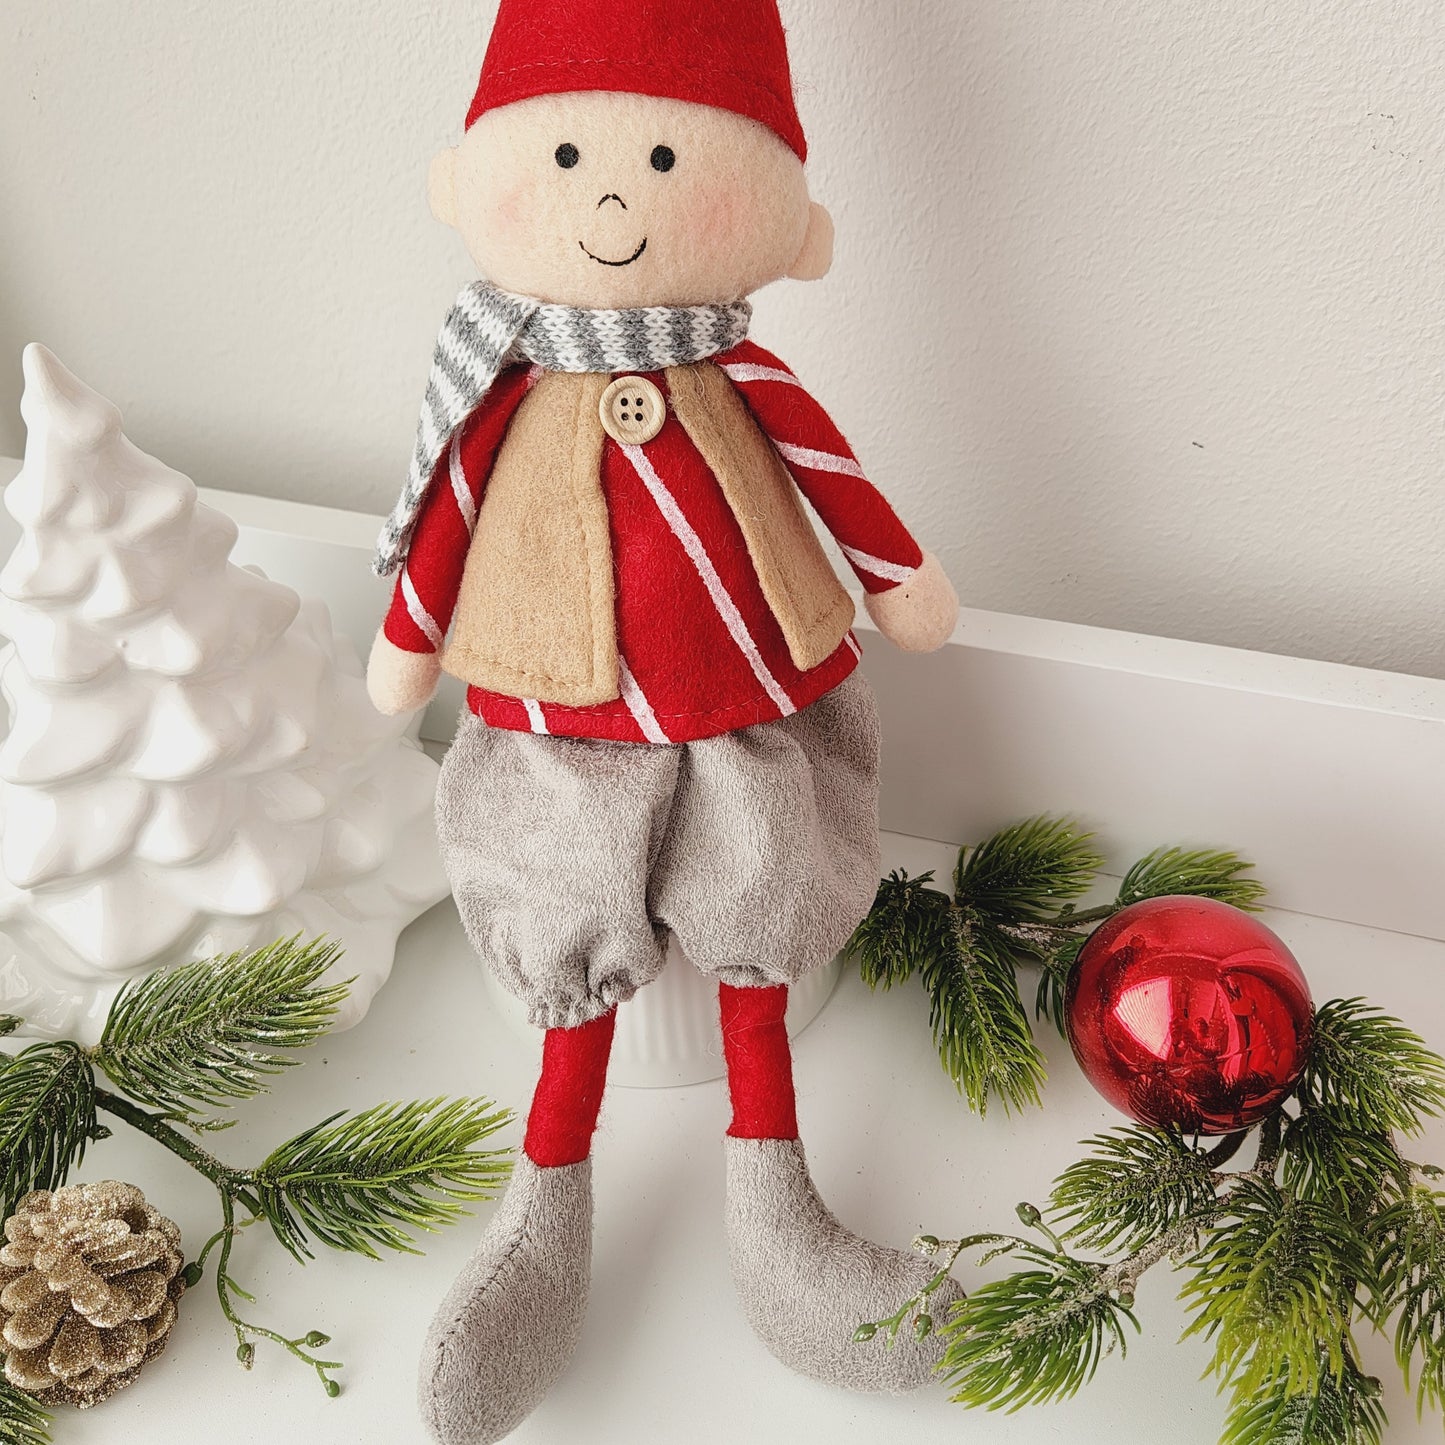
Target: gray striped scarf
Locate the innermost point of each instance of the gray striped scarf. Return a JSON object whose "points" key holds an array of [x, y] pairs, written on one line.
{"points": [[488, 329]]}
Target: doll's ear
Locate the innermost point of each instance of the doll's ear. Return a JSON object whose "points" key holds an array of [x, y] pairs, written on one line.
{"points": [[816, 258], [441, 187]]}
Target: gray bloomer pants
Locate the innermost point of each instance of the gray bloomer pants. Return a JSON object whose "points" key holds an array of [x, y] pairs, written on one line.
{"points": [[572, 859]]}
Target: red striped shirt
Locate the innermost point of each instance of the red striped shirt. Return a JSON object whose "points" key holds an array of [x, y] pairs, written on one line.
{"points": [[701, 652]]}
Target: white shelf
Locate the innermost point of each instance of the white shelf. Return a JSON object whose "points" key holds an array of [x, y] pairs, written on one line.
{"points": [[666, 1355], [1329, 777]]}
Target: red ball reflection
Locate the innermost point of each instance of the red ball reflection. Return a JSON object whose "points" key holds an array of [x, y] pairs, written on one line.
{"points": [[1188, 1013]]}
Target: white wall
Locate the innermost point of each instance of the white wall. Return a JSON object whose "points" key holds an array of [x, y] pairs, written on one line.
{"points": [[1139, 314]]}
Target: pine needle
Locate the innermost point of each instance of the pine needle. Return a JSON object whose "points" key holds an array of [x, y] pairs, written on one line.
{"points": [[1411, 1269], [1343, 1410], [1034, 1337], [203, 1035], [1027, 871], [1274, 1286], [1054, 970], [979, 1023], [1370, 1066], [1137, 1184], [900, 931], [47, 1116], [369, 1181], [1329, 1157], [22, 1420], [1180, 872]]}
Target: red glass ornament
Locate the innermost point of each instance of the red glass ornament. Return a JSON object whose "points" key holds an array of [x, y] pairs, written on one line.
{"points": [[1189, 1014]]}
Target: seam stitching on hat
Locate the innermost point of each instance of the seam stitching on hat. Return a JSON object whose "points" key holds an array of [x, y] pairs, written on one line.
{"points": [[741, 75]]}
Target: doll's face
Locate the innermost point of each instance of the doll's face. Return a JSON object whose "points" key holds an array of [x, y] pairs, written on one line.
{"points": [[608, 200]]}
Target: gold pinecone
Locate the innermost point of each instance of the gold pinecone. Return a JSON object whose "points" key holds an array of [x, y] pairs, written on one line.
{"points": [[89, 1279]]}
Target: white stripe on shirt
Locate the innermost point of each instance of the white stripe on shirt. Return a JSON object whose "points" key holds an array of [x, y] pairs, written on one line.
{"points": [[866, 562], [743, 371], [460, 490], [638, 705], [727, 608], [816, 461], [534, 716], [423, 619]]}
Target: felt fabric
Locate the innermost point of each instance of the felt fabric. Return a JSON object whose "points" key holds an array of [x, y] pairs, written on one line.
{"points": [[704, 647], [759, 1062], [398, 681], [571, 860], [919, 615], [535, 610], [611, 230], [876, 544], [797, 579], [487, 325], [509, 1325], [568, 1099], [806, 1283], [731, 54]]}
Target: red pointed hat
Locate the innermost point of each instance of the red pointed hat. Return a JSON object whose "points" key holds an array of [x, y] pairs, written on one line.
{"points": [[731, 54]]}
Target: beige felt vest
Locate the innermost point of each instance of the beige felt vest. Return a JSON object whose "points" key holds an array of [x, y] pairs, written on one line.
{"points": [[536, 614]]}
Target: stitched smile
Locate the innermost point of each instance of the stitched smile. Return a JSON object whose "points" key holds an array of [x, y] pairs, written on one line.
{"points": [[602, 261]]}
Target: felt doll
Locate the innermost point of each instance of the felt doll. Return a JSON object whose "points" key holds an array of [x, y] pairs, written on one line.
{"points": [[603, 535]]}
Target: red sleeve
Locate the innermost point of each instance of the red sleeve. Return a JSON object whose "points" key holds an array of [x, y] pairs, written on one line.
{"points": [[426, 590], [879, 547]]}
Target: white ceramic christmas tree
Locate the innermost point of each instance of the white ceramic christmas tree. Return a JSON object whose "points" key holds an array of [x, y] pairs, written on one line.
{"points": [[192, 765]]}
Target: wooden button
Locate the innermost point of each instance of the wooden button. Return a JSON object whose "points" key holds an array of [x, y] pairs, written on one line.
{"points": [[633, 411]]}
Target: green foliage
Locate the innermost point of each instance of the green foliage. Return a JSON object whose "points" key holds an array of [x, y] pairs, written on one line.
{"points": [[1054, 970], [1035, 1336], [1179, 872], [901, 929], [47, 1116], [1330, 1226], [1331, 1159], [8, 1024], [1135, 1186], [979, 1024], [1274, 1287], [1027, 871], [1372, 1067], [205, 1034], [1411, 1279], [22, 1421], [1013, 904], [368, 1181], [1341, 1410]]}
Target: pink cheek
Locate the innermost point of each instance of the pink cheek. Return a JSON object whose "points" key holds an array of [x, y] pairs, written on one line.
{"points": [[715, 219], [511, 210]]}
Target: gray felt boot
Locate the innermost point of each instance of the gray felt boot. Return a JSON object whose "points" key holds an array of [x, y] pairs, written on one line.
{"points": [[806, 1283], [508, 1327]]}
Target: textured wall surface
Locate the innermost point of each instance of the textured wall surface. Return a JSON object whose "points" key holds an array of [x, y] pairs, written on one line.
{"points": [[1139, 312]]}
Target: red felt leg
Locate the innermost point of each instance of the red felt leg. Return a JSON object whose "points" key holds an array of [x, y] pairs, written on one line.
{"points": [[760, 1063], [569, 1093]]}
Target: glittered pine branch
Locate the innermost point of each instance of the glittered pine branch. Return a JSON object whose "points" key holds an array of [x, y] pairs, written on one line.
{"points": [[180, 1044], [1332, 1229], [22, 1421], [1012, 904]]}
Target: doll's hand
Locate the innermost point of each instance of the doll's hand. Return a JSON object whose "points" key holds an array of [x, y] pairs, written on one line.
{"points": [[917, 615], [400, 681]]}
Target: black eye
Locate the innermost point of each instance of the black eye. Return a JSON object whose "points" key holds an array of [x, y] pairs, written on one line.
{"points": [[568, 155], [663, 158]]}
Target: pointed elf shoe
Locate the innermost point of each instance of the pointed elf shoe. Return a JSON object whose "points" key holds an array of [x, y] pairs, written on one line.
{"points": [[806, 1283], [511, 1322]]}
